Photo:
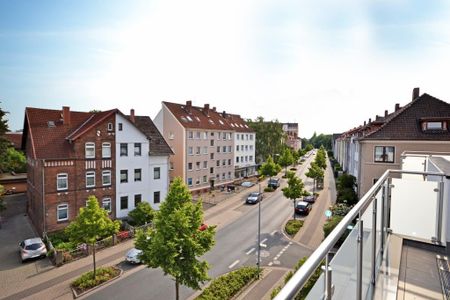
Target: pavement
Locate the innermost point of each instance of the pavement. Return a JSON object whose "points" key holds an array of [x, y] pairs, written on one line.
{"points": [[54, 283]]}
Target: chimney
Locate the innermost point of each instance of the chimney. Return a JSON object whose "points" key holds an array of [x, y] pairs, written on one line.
{"points": [[132, 116], [397, 106], [365, 123], [370, 120], [188, 105], [214, 109], [66, 115], [206, 109], [416, 92], [224, 114], [385, 113]]}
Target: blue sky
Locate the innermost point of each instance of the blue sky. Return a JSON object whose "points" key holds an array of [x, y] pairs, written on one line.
{"points": [[328, 65]]}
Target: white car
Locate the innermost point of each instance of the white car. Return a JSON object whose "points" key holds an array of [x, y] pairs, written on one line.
{"points": [[132, 256], [32, 248], [247, 184]]}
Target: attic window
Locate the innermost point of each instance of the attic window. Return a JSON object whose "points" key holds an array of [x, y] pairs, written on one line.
{"points": [[184, 119], [197, 118], [210, 121], [189, 118], [232, 125], [51, 124], [245, 126], [220, 121], [435, 125]]}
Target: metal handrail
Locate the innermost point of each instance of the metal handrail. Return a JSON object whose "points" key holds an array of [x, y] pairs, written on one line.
{"points": [[299, 279]]}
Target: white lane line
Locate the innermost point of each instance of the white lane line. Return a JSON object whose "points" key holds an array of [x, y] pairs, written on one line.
{"points": [[250, 251], [273, 233], [233, 264], [262, 242]]}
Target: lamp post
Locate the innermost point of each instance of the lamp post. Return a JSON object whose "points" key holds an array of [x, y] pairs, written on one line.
{"points": [[259, 232]]}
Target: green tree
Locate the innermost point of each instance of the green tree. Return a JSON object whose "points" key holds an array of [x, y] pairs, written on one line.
{"points": [[295, 189], [309, 147], [269, 168], [321, 159], [175, 241], [295, 156], [2, 203], [346, 185], [13, 160], [315, 172], [270, 138], [4, 144], [286, 159], [91, 224], [142, 214]]}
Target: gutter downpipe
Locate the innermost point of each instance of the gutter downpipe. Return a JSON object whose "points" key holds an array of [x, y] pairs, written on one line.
{"points": [[43, 197]]}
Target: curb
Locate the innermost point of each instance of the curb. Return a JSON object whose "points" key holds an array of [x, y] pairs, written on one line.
{"points": [[291, 239], [76, 295]]}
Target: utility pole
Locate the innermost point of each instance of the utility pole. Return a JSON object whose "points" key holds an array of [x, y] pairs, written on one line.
{"points": [[259, 232]]}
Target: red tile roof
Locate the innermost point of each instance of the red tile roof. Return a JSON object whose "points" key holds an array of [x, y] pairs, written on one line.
{"points": [[206, 118], [15, 138]]}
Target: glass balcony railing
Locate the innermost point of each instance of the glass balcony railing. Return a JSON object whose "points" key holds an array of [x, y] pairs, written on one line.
{"points": [[407, 203]]}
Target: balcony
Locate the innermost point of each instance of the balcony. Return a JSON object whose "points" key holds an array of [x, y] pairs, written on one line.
{"points": [[396, 243]]}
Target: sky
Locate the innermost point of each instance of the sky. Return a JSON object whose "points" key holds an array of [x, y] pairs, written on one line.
{"points": [[328, 65]]}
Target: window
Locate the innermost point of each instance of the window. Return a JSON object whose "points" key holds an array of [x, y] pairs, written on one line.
{"points": [[190, 151], [223, 176], [229, 162], [211, 156], [211, 170], [156, 197], [190, 166], [246, 158], [218, 149], [212, 133], [229, 175], [124, 202], [198, 135], [251, 137], [156, 173], [123, 176], [106, 177], [190, 135], [123, 149], [224, 162], [246, 147], [218, 163], [242, 136], [106, 150], [229, 149], [106, 204], [198, 149], [171, 165], [205, 135], [434, 126], [224, 149], [384, 154], [224, 135], [137, 149], [62, 181], [205, 150], [110, 127], [251, 147], [198, 165], [237, 135], [218, 135], [237, 147], [137, 174], [137, 199], [171, 136], [212, 143], [205, 165], [246, 137], [230, 136], [197, 182], [120, 126], [90, 150], [90, 179], [189, 181], [237, 159], [250, 158], [205, 179], [62, 212]]}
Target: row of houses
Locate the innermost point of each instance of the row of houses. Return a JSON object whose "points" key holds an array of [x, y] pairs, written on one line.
{"points": [[368, 150]]}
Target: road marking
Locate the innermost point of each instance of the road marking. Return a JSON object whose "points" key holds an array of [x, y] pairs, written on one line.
{"points": [[263, 245], [273, 233], [250, 251], [269, 264], [262, 242], [233, 264]]}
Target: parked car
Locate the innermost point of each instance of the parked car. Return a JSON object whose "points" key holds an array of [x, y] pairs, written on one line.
{"points": [[274, 183], [247, 184], [132, 256], [254, 198], [32, 248], [303, 208], [203, 227], [309, 199]]}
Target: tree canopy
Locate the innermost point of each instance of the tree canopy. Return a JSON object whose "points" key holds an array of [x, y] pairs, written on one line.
{"points": [[269, 138], [295, 188], [315, 172], [175, 241], [319, 140], [286, 159], [142, 214], [269, 168]]}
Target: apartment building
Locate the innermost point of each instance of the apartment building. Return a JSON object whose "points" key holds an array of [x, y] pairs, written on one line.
{"points": [[368, 151], [292, 138], [71, 156], [203, 141]]}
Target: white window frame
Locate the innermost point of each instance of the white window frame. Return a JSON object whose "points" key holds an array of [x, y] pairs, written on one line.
{"points": [[190, 135], [187, 181], [205, 164], [91, 147], [107, 200], [190, 166], [59, 208], [190, 150], [171, 136], [205, 150], [90, 174], [62, 176], [110, 127], [104, 151], [120, 149], [137, 146], [157, 170], [140, 175], [106, 173]]}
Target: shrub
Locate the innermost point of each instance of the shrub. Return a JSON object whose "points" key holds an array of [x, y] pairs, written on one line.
{"points": [[293, 226], [142, 214], [86, 281], [340, 209], [268, 189], [293, 169], [228, 285], [275, 292]]}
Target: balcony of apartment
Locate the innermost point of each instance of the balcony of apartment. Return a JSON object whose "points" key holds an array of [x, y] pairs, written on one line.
{"points": [[395, 248]]}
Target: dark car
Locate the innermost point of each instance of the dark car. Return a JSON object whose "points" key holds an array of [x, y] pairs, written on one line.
{"points": [[309, 199], [303, 208], [274, 183], [254, 198]]}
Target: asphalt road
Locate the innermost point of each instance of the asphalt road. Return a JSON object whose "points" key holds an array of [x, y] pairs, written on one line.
{"points": [[236, 246]]}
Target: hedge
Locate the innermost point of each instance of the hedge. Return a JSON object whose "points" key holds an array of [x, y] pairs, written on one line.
{"points": [[228, 285], [293, 226], [86, 281]]}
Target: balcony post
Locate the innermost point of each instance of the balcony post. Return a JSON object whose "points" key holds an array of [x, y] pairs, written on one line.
{"points": [[440, 211], [359, 258], [328, 278], [374, 239], [383, 215]]}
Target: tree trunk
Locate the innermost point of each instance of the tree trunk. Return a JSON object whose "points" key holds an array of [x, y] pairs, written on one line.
{"points": [[177, 289], [314, 186], [295, 202], [93, 258]]}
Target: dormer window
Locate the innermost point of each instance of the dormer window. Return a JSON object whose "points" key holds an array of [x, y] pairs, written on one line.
{"points": [[434, 125]]}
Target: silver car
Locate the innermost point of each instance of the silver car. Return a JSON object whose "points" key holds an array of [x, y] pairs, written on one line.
{"points": [[132, 256], [32, 248]]}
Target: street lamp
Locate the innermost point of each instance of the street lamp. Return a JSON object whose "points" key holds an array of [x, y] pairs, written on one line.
{"points": [[259, 232]]}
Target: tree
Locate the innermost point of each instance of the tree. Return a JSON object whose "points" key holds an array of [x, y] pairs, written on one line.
{"points": [[13, 160], [321, 159], [175, 241], [315, 172], [295, 189], [91, 224], [269, 168], [295, 156], [142, 214], [2, 203], [4, 144], [309, 147], [270, 138], [286, 159], [346, 184]]}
